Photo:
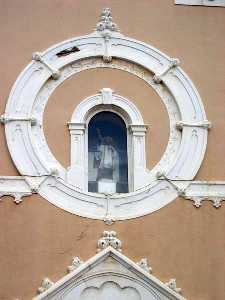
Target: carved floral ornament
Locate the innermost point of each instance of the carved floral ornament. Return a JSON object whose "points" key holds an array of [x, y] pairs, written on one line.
{"points": [[42, 173], [108, 273]]}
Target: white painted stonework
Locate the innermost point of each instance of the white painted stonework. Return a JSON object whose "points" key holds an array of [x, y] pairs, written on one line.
{"points": [[16, 187], [136, 130], [42, 173], [109, 275], [201, 2], [109, 238]]}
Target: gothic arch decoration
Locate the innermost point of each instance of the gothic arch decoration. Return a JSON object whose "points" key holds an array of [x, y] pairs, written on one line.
{"points": [[109, 275], [42, 173]]}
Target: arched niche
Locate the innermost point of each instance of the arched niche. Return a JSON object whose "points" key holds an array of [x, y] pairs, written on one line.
{"points": [[124, 110], [107, 154]]}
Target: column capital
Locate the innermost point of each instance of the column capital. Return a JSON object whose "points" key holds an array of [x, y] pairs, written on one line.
{"points": [[76, 128], [138, 129]]}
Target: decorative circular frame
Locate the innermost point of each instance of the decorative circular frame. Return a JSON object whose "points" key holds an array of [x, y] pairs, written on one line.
{"points": [[29, 149]]}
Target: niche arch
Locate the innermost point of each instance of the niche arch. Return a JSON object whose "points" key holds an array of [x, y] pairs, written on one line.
{"points": [[107, 154], [107, 101]]}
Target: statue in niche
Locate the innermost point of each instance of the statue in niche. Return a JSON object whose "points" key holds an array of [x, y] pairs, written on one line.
{"points": [[107, 163], [107, 154]]}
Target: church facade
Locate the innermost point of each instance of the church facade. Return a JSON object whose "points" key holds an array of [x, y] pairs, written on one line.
{"points": [[112, 173]]}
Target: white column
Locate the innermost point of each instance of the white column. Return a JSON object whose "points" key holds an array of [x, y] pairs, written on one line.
{"points": [[138, 156], [76, 171]]}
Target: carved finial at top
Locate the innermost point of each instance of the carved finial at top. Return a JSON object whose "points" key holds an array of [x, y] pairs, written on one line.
{"points": [[105, 23]]}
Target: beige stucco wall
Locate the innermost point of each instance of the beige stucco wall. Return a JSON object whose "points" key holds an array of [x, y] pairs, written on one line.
{"points": [[38, 239]]}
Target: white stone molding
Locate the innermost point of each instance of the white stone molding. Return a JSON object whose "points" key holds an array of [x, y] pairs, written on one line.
{"points": [[110, 273], [34, 160], [109, 239], [78, 127], [196, 191], [199, 191], [5, 119], [16, 187], [143, 263], [107, 97], [162, 176], [76, 262], [172, 284], [108, 219], [158, 77], [45, 285], [37, 56], [109, 289], [106, 28], [202, 2], [205, 124]]}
